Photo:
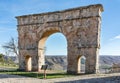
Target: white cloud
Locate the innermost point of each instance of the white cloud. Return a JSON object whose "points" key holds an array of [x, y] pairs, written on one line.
{"points": [[6, 29], [116, 37], [5, 22]]}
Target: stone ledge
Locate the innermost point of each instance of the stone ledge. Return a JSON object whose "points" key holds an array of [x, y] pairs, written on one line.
{"points": [[83, 7], [74, 13], [56, 21]]}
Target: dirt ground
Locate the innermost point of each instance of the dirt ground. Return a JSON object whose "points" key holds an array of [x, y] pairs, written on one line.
{"points": [[91, 78]]}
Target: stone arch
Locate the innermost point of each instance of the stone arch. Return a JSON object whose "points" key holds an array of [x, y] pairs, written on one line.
{"points": [[41, 44], [81, 27]]}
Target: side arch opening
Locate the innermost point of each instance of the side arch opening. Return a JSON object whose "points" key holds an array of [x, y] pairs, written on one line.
{"points": [[28, 63], [81, 64]]}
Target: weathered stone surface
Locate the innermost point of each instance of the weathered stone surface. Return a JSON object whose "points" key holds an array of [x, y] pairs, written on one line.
{"points": [[81, 27]]}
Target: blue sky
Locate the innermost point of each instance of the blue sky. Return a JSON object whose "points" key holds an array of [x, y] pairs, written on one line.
{"points": [[56, 43]]}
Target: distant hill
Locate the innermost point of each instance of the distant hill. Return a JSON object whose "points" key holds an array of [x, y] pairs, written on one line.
{"points": [[60, 62], [109, 60], [56, 62]]}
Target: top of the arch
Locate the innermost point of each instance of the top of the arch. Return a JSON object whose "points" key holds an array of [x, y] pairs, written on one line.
{"points": [[73, 13]]}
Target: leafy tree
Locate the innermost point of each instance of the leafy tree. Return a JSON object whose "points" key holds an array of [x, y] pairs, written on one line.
{"points": [[10, 61], [1, 58]]}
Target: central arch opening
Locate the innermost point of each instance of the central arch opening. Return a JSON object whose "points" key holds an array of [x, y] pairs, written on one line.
{"points": [[56, 51], [53, 51]]}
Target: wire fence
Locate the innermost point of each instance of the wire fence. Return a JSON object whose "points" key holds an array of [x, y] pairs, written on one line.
{"points": [[110, 70]]}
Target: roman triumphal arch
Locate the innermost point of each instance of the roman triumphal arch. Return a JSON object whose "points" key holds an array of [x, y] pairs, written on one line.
{"points": [[80, 26]]}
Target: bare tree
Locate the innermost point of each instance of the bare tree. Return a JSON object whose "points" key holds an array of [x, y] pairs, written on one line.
{"points": [[12, 47]]}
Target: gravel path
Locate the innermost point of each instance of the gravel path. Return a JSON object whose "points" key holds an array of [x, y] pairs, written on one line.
{"points": [[92, 78], [4, 78]]}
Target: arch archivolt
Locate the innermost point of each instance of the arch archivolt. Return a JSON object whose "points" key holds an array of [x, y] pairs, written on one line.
{"points": [[80, 26]]}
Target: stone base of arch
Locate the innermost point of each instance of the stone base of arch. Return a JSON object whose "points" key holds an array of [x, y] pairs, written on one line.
{"points": [[91, 65]]}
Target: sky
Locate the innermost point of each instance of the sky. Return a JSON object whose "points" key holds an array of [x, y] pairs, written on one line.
{"points": [[56, 44]]}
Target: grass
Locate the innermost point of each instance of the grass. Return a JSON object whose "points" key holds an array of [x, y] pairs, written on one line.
{"points": [[12, 70], [37, 75], [6, 65]]}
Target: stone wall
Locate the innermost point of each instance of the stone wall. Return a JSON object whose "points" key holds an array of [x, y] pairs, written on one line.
{"points": [[80, 26], [115, 68]]}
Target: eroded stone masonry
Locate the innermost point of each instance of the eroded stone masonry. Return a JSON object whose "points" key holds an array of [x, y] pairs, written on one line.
{"points": [[81, 27]]}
